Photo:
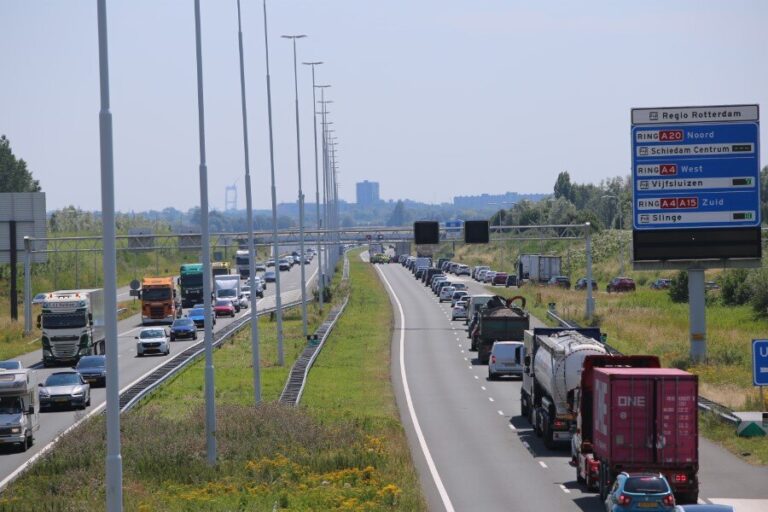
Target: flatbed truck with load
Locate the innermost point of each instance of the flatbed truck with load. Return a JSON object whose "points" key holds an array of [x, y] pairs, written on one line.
{"points": [[72, 323], [551, 373], [499, 319]]}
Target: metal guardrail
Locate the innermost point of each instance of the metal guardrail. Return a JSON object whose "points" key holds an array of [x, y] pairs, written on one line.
{"points": [[131, 396], [704, 403], [297, 379]]}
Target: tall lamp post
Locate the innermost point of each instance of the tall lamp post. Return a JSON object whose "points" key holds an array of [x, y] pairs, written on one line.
{"points": [[321, 288], [326, 216], [302, 256], [621, 228]]}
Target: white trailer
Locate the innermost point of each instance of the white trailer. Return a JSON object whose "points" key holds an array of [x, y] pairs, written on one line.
{"points": [[72, 323], [19, 408], [242, 260], [538, 268]]}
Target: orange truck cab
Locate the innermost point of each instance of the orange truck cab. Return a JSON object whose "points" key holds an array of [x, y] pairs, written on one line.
{"points": [[159, 302]]}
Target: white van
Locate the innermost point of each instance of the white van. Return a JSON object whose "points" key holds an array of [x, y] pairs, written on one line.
{"points": [[506, 359]]}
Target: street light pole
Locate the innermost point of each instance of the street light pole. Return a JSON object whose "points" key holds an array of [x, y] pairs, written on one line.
{"points": [[321, 288], [302, 255], [255, 355], [275, 243]]}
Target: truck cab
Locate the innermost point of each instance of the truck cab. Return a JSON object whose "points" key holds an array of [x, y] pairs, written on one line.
{"points": [[72, 323], [19, 408], [159, 302]]}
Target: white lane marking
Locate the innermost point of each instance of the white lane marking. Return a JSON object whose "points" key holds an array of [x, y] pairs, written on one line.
{"points": [[476, 377], [512, 427], [541, 463], [482, 387], [466, 359], [566, 491], [501, 413], [490, 399], [462, 350], [407, 391], [470, 367]]}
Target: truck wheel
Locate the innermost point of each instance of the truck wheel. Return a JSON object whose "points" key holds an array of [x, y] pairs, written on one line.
{"points": [[602, 485], [549, 441], [491, 376]]}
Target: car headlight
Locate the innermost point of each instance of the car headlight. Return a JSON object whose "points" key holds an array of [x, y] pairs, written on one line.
{"points": [[78, 393], [15, 430], [44, 393]]}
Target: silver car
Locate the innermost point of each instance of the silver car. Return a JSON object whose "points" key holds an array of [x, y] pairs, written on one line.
{"points": [[446, 293], [65, 388], [506, 359], [152, 340], [459, 310], [457, 296]]}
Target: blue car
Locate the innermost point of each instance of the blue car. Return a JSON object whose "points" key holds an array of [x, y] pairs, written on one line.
{"points": [[640, 491], [183, 328], [197, 315]]}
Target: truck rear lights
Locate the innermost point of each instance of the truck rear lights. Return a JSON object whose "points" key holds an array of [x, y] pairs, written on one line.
{"points": [[680, 478], [669, 500], [559, 424], [624, 500]]}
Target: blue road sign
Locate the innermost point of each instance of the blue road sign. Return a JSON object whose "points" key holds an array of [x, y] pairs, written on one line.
{"points": [[696, 167], [760, 362]]}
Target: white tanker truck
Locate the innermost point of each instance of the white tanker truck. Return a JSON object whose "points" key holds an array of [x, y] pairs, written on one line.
{"points": [[552, 371]]}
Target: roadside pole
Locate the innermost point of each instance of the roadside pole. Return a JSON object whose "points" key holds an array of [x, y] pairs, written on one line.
{"points": [[590, 300]]}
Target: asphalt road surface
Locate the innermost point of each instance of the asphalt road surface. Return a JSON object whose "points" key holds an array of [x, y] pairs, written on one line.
{"points": [[53, 423], [473, 450]]}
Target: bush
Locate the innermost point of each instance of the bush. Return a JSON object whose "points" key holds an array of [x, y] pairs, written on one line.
{"points": [[757, 284], [734, 290], [678, 289]]}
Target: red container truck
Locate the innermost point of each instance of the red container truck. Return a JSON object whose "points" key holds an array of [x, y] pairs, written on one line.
{"points": [[646, 419]]}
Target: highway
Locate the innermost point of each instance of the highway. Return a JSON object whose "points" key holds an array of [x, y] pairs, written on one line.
{"points": [[132, 368], [471, 447]]}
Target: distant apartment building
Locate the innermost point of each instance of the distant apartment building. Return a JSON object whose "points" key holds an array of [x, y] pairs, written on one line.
{"points": [[367, 193]]}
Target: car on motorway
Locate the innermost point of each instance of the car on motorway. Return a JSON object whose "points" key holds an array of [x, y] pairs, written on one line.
{"points": [[93, 369], [488, 276], [559, 281], [420, 272], [270, 262], [244, 301], [462, 270], [711, 285], [480, 275], [661, 284], [66, 388], [621, 284], [11, 364], [446, 293], [640, 491], [260, 266], [441, 285], [581, 284], [183, 328], [436, 282], [506, 359], [224, 307], [152, 340], [197, 315], [500, 278], [39, 298], [284, 264], [270, 276], [476, 271], [457, 296], [459, 310], [705, 507]]}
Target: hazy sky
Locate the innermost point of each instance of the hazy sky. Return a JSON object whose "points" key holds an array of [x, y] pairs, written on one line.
{"points": [[432, 98]]}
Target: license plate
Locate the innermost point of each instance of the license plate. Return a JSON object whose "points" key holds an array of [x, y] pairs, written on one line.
{"points": [[62, 399], [647, 504]]}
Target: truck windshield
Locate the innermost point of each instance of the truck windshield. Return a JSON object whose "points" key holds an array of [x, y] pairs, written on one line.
{"points": [[192, 280], [220, 271], [156, 293], [241, 260], [64, 320], [231, 292], [10, 405]]}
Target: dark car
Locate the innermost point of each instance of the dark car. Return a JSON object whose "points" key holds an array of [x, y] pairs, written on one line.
{"points": [[197, 315], [65, 388], [560, 281], [661, 284], [269, 276], [640, 491], [39, 298], [621, 284], [499, 278], [93, 369], [183, 328], [581, 284]]}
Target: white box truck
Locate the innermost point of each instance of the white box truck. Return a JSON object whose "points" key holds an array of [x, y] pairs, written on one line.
{"points": [[19, 408], [227, 287], [72, 323], [538, 268]]}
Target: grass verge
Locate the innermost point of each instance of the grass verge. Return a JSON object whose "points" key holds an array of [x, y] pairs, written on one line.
{"points": [[270, 456]]}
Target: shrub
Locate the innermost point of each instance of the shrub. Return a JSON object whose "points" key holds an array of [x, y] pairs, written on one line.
{"points": [[758, 287], [678, 289], [734, 290]]}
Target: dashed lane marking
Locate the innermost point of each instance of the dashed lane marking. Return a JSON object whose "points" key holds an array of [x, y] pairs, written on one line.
{"points": [[501, 413], [542, 464], [512, 427], [491, 399], [566, 491]]}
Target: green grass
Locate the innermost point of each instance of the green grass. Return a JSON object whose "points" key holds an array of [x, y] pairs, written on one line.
{"points": [[353, 458], [752, 449]]}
